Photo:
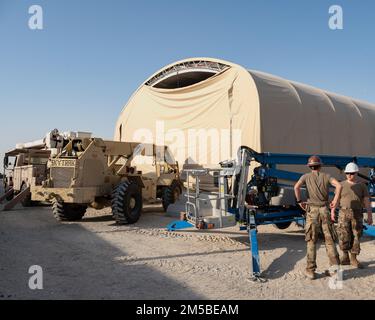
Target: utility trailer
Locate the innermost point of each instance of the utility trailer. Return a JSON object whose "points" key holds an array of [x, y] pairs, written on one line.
{"points": [[23, 168], [263, 200], [97, 173]]}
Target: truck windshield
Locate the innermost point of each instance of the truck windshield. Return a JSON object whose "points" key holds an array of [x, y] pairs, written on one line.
{"points": [[37, 160]]}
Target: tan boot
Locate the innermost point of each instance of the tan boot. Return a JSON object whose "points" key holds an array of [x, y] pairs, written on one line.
{"points": [[310, 274], [354, 262], [344, 260]]}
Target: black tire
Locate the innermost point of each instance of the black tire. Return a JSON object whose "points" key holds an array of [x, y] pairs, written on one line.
{"points": [[27, 201], [283, 225], [68, 211], [127, 203], [171, 194], [11, 196]]}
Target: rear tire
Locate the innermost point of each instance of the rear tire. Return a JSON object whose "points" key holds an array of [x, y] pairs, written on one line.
{"points": [[171, 194], [11, 196], [283, 225], [127, 203], [26, 203], [68, 211]]}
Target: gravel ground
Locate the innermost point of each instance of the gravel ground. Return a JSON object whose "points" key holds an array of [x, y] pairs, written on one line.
{"points": [[96, 259]]}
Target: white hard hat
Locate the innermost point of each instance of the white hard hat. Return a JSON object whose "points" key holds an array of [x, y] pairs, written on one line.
{"points": [[351, 168]]}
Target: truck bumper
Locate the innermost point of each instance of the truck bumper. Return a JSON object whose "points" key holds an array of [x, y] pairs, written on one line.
{"points": [[68, 195]]}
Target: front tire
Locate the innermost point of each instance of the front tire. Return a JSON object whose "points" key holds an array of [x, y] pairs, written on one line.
{"points": [[171, 194], [68, 211], [127, 203]]}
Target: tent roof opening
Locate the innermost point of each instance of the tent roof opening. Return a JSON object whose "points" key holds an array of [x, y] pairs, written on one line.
{"points": [[185, 74]]}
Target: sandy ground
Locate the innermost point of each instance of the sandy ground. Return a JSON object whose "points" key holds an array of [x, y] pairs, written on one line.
{"points": [[96, 259]]}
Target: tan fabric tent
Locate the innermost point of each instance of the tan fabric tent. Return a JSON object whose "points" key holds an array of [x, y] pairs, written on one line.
{"points": [[269, 114]]}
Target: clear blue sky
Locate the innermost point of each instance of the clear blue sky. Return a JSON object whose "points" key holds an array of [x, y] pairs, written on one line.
{"points": [[80, 70]]}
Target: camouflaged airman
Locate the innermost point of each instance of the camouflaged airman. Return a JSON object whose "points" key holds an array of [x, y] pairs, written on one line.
{"points": [[318, 214], [354, 197]]}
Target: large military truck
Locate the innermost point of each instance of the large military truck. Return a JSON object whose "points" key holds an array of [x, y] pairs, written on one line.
{"points": [[97, 173]]}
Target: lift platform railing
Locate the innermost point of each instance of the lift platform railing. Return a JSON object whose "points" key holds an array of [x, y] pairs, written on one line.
{"points": [[194, 199]]}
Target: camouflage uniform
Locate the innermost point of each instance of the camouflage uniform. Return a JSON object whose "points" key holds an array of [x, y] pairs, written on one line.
{"points": [[350, 229], [350, 224], [318, 218]]}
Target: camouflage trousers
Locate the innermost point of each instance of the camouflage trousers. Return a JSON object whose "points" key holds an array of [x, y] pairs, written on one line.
{"points": [[350, 229], [318, 220]]}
